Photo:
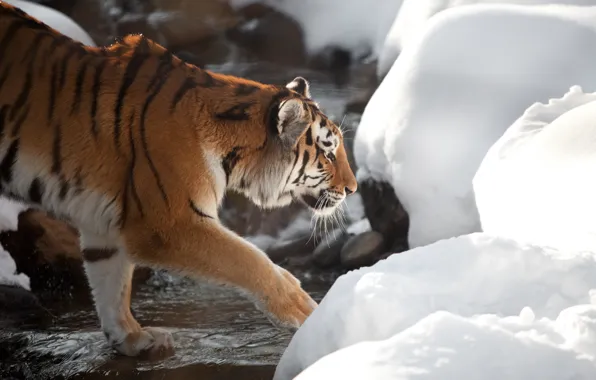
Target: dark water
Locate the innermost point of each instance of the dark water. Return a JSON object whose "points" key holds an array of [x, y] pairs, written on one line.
{"points": [[218, 333]]}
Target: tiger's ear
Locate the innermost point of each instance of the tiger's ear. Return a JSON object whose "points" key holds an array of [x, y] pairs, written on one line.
{"points": [[292, 121], [301, 86]]}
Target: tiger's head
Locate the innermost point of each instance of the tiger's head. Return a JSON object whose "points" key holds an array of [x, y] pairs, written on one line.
{"points": [[306, 159]]}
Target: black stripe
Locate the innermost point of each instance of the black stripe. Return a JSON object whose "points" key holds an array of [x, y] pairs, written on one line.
{"points": [[16, 128], [163, 77], [305, 160], [22, 98], [164, 67], [186, 86], [4, 74], [9, 36], [6, 166], [36, 191], [53, 92], [131, 72], [198, 211], [236, 113], [72, 51], [95, 95], [318, 183], [3, 114], [229, 162], [56, 150], [323, 123], [297, 153], [79, 86], [63, 188], [309, 141], [131, 173]]}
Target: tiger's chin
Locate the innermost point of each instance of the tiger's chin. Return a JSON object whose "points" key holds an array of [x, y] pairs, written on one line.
{"points": [[321, 205]]}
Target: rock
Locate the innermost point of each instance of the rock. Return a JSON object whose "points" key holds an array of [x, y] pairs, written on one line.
{"points": [[327, 253], [183, 23], [47, 250], [269, 35], [19, 306], [301, 246], [362, 250], [385, 212]]}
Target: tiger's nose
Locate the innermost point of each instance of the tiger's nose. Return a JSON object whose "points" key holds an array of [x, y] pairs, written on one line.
{"points": [[350, 189]]}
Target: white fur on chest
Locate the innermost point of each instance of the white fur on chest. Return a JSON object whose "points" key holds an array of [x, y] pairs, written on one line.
{"points": [[218, 179]]}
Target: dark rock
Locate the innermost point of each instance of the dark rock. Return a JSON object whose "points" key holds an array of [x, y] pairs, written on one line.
{"points": [[134, 24], [269, 35], [19, 306], [47, 250], [296, 247], [362, 250], [328, 252], [385, 212]]}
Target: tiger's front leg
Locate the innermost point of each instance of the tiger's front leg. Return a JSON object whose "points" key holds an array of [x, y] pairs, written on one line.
{"points": [[201, 248], [109, 272]]}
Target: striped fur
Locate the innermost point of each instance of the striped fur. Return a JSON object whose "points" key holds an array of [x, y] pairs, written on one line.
{"points": [[137, 148]]}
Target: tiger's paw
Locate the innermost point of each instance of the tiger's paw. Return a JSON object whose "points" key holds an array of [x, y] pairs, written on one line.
{"points": [[290, 305], [150, 342]]}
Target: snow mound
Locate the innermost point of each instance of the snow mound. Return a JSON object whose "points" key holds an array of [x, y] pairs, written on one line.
{"points": [[452, 94], [413, 15], [465, 276], [447, 346], [9, 221], [338, 23], [54, 19], [535, 183]]}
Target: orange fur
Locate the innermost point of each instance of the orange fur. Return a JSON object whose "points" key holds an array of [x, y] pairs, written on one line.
{"points": [[136, 149]]}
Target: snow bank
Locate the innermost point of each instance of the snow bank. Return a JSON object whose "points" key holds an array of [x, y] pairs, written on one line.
{"points": [[451, 95], [54, 19], [413, 14], [359, 26], [536, 182], [446, 346], [397, 299], [9, 220]]}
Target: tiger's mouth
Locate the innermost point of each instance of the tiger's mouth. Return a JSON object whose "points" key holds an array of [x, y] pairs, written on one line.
{"points": [[322, 204]]}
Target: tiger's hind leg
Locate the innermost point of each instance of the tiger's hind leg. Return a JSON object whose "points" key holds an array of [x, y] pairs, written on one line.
{"points": [[109, 272]]}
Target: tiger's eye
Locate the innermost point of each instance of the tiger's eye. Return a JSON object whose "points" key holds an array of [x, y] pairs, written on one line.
{"points": [[331, 157]]}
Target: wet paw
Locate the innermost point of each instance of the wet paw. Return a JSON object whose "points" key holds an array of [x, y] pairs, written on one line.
{"points": [[290, 305], [149, 342]]}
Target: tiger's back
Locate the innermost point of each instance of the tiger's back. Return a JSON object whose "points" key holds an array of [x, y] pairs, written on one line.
{"points": [[136, 149]]}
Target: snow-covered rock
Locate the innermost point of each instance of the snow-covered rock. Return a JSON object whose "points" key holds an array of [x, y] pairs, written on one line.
{"points": [[54, 19], [452, 94], [536, 182], [413, 14], [359, 26], [9, 220], [531, 292]]}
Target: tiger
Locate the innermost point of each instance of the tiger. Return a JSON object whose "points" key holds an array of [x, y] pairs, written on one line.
{"points": [[136, 148]]}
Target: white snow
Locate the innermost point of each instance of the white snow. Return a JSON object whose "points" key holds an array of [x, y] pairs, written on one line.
{"points": [[453, 93], [472, 307], [413, 15], [359, 26], [54, 19], [9, 220], [536, 182]]}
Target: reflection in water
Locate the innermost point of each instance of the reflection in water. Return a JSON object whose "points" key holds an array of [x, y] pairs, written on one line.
{"points": [[218, 333]]}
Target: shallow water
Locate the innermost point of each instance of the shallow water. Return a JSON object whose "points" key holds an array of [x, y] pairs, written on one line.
{"points": [[218, 333]]}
